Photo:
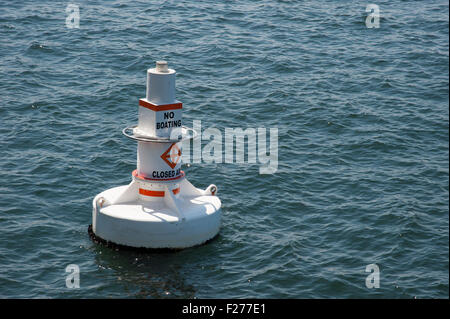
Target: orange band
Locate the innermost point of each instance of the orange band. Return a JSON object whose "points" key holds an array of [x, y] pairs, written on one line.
{"points": [[151, 193], [157, 108], [146, 192]]}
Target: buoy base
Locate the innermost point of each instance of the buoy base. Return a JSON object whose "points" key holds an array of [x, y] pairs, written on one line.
{"points": [[188, 219], [100, 241]]}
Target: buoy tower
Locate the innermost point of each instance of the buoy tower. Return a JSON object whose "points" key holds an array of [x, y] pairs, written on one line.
{"points": [[160, 208]]}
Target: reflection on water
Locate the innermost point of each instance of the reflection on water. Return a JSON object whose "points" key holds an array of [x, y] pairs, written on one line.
{"points": [[146, 275]]}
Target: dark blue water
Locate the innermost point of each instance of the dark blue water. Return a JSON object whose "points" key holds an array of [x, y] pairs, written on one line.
{"points": [[363, 119]]}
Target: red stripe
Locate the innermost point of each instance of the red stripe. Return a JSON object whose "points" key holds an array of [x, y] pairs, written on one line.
{"points": [[146, 192], [164, 107]]}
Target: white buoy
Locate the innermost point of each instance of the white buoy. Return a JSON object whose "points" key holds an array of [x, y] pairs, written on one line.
{"points": [[160, 208]]}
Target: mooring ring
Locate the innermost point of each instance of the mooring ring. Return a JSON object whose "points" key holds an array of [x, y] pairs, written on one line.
{"points": [[186, 134]]}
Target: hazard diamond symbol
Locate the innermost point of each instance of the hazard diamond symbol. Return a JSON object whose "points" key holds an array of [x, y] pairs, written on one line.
{"points": [[172, 156]]}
